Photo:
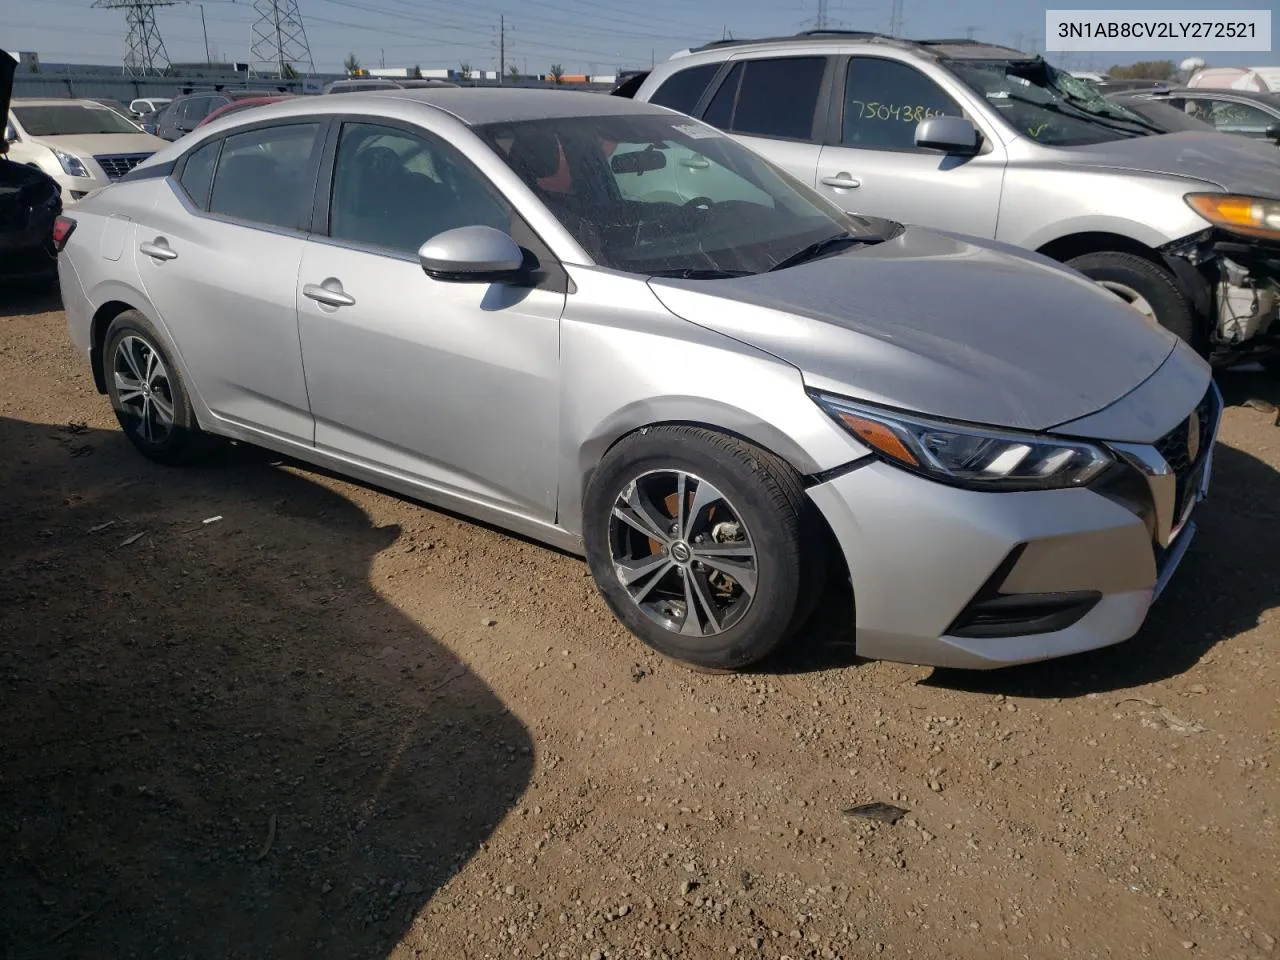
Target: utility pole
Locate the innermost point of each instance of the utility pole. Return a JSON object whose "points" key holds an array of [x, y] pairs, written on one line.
{"points": [[820, 21], [278, 39], [969, 31], [895, 19], [146, 52], [205, 30], [502, 47], [1017, 40]]}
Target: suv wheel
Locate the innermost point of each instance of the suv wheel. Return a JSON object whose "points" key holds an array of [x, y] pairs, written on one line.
{"points": [[1146, 286]]}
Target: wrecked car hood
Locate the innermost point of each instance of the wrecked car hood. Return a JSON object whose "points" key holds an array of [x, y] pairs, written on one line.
{"points": [[1235, 164], [939, 324]]}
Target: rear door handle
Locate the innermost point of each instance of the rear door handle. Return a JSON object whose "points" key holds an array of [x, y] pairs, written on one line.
{"points": [[842, 181], [329, 293], [158, 249]]}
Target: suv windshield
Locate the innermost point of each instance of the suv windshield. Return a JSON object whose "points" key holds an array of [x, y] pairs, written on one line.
{"points": [[57, 121], [1048, 105], [668, 196]]}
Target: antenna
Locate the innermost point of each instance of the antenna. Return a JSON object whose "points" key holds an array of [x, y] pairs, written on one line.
{"points": [[277, 40], [146, 49]]}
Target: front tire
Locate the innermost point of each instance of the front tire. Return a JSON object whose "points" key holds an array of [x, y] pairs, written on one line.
{"points": [[703, 546], [1147, 286], [147, 393]]}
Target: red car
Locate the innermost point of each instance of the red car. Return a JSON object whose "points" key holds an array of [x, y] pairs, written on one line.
{"points": [[243, 103]]}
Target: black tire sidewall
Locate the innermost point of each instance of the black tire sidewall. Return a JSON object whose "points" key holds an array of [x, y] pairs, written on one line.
{"points": [[1158, 286], [182, 439], [779, 593]]}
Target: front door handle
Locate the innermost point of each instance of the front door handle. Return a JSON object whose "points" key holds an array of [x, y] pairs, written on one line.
{"points": [[158, 249], [329, 293], [842, 181]]}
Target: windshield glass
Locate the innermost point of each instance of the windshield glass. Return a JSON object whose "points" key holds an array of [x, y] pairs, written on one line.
{"points": [[57, 121], [1167, 117], [668, 196], [1048, 105]]}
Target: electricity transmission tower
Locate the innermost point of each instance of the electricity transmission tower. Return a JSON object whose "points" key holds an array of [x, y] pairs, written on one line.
{"points": [[820, 21], [277, 40], [895, 19], [146, 49]]}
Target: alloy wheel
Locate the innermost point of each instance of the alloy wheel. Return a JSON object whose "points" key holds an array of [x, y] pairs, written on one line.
{"points": [[143, 388], [683, 553]]}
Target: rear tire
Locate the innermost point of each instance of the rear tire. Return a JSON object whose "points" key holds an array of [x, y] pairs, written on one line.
{"points": [[1152, 289], [147, 392], [745, 555]]}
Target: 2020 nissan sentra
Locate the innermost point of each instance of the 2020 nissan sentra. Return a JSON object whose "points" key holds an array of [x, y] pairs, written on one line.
{"points": [[612, 328]]}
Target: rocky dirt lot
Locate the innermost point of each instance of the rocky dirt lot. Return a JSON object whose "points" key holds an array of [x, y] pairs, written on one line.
{"points": [[252, 711]]}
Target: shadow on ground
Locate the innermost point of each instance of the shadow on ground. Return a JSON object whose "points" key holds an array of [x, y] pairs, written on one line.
{"points": [[218, 740], [1229, 578], [25, 300]]}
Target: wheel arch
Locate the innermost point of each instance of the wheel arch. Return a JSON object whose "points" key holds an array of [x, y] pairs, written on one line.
{"points": [[698, 412], [1193, 286], [98, 327]]}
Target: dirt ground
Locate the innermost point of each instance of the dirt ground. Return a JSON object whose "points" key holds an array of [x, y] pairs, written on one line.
{"points": [[251, 711]]}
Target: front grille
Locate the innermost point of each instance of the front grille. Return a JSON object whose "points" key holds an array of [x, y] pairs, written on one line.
{"points": [[1185, 457], [117, 165]]}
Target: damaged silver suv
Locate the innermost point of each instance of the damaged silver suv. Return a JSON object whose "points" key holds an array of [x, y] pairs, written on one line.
{"points": [[967, 137]]}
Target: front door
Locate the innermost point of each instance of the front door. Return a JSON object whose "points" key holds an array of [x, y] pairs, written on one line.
{"points": [[218, 256], [449, 384], [877, 170]]}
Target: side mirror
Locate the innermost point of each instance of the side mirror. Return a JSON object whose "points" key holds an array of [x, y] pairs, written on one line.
{"points": [[10, 134], [954, 135], [639, 161], [1273, 132], [475, 254]]}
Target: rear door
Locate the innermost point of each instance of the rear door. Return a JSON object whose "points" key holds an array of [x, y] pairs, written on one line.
{"points": [[776, 106], [1228, 115], [219, 256], [871, 165]]}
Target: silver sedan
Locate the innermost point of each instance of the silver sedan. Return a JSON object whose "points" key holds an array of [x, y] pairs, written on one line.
{"points": [[611, 328]]}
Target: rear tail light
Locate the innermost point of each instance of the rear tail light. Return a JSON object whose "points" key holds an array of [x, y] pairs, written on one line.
{"points": [[63, 227]]}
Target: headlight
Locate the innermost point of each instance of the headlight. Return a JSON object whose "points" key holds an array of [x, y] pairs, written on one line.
{"points": [[1255, 216], [973, 457], [72, 165]]}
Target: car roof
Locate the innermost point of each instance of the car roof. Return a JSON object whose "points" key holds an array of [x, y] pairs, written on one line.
{"points": [[475, 106], [1258, 96], [56, 102], [945, 49]]}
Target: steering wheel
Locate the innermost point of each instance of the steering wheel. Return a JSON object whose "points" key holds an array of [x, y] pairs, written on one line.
{"points": [[699, 203]]}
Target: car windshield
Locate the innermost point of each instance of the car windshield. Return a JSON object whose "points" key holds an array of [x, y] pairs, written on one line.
{"points": [[668, 196], [1048, 105], [70, 120], [1168, 118]]}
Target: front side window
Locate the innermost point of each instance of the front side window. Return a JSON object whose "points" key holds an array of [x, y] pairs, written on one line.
{"points": [[775, 97], [263, 176], [682, 90], [884, 102], [396, 190], [72, 119], [664, 196], [1048, 105]]}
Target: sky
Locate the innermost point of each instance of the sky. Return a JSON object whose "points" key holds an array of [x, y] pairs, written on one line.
{"points": [[583, 36]]}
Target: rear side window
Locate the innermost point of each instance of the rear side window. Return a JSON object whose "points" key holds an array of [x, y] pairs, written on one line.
{"points": [[885, 100], [774, 97], [197, 173], [682, 90], [264, 176]]}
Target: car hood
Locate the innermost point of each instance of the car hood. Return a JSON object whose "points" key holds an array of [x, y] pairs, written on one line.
{"points": [[939, 324], [1235, 164], [102, 144]]}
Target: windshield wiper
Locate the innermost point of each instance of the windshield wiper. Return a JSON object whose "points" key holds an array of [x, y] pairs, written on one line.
{"points": [[698, 273], [1109, 115], [815, 249]]}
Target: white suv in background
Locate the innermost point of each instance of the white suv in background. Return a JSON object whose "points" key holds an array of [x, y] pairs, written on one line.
{"points": [[81, 144], [977, 139]]}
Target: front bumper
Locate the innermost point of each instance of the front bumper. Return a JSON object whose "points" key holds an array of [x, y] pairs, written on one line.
{"points": [[957, 578]]}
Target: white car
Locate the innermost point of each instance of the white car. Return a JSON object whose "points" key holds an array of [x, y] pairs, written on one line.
{"points": [[81, 144]]}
